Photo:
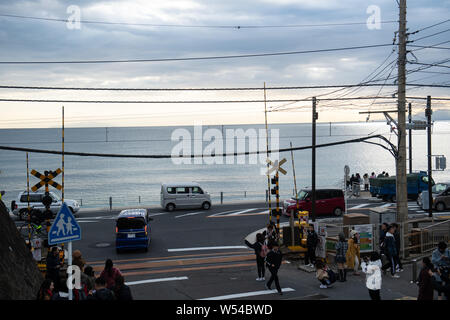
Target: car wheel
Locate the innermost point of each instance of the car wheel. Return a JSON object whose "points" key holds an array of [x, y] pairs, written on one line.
{"points": [[206, 205], [337, 212], [170, 207], [440, 206]]}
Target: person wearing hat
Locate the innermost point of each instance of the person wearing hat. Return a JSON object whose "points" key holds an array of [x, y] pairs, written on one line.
{"points": [[353, 255]]}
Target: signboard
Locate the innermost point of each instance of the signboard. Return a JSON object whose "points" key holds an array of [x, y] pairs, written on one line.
{"points": [[321, 247], [365, 237], [65, 227]]}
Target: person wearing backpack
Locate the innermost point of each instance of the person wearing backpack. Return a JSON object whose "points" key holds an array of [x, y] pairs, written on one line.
{"points": [[261, 250]]}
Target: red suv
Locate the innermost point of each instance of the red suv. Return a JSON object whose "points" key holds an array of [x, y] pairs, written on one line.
{"points": [[328, 201]]}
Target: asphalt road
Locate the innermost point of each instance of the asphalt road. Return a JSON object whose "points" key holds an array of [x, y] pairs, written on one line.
{"points": [[198, 254]]}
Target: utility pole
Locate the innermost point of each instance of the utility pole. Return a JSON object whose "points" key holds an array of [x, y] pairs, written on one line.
{"points": [[401, 186], [428, 113], [410, 137], [313, 177]]}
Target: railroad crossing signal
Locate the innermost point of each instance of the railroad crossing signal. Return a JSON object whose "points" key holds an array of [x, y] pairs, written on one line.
{"points": [[46, 179], [276, 166]]}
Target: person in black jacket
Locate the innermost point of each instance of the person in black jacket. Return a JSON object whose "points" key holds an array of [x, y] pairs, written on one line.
{"points": [[122, 292], [273, 261], [53, 267], [397, 246], [101, 292], [260, 252], [311, 243]]}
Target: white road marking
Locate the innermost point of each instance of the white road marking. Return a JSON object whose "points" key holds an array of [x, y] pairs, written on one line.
{"points": [[221, 213], [157, 214], [86, 221], [386, 205], [187, 214], [242, 211], [247, 294], [132, 283], [207, 248], [359, 206]]}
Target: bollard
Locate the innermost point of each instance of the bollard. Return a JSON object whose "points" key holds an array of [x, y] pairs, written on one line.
{"points": [[245, 194], [414, 271], [221, 197], [139, 199], [81, 202], [110, 203]]}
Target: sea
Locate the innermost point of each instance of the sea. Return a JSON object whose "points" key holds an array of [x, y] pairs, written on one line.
{"points": [[132, 182]]}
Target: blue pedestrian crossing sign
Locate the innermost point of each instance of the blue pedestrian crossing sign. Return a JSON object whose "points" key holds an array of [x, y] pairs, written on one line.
{"points": [[65, 227]]}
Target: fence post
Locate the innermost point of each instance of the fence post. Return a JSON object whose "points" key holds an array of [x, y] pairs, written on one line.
{"points": [[110, 203], [221, 197]]}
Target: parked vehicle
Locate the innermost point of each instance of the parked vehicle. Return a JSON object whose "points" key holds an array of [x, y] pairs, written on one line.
{"points": [[328, 201], [184, 195], [435, 190], [133, 230], [20, 207], [385, 187]]}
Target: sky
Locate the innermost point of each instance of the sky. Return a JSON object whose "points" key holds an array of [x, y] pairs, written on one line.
{"points": [[184, 35]]}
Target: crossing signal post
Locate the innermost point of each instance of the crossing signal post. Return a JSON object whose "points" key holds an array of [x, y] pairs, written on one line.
{"points": [[276, 191]]}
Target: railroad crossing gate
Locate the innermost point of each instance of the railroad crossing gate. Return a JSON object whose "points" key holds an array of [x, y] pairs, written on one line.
{"points": [[46, 179], [276, 167], [65, 227]]}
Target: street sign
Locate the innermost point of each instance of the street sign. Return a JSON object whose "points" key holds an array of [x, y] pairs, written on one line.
{"points": [[65, 227], [46, 179], [276, 166], [417, 125]]}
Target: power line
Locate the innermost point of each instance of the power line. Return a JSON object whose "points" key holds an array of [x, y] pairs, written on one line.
{"points": [[431, 35], [335, 24], [210, 101], [428, 27], [167, 156], [430, 64], [197, 58]]}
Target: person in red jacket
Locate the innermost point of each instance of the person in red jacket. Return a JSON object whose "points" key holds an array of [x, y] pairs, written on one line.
{"points": [[425, 282], [110, 274]]}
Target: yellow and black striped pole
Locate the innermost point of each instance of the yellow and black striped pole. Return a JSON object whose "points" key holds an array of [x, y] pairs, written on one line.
{"points": [[62, 153], [278, 200], [28, 201]]}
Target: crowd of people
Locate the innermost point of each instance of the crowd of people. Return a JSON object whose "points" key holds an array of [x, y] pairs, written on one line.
{"points": [[109, 285], [434, 275], [355, 181]]}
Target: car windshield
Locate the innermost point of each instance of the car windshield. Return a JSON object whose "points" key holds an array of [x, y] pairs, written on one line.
{"points": [[302, 195], [130, 223], [55, 196], [438, 188]]}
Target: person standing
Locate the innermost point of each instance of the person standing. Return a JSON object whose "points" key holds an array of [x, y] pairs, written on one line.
{"points": [[372, 269], [312, 240], [53, 267], [399, 267], [46, 290], [366, 182], [110, 274], [273, 261], [121, 291], [353, 253], [425, 280], [381, 175], [373, 176], [261, 252], [441, 261], [101, 293], [271, 234], [390, 251], [341, 251]]}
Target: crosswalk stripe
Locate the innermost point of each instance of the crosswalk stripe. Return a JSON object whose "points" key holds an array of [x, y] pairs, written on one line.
{"points": [[207, 248], [187, 214], [132, 283], [359, 206], [247, 294]]}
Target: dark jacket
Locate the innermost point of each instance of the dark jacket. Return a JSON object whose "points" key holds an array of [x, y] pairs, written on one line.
{"points": [[274, 258], [123, 293], [257, 246], [312, 239], [102, 295], [52, 261], [425, 285], [390, 248], [397, 241]]}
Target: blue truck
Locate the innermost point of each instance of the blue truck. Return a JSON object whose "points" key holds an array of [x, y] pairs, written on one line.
{"points": [[385, 187]]}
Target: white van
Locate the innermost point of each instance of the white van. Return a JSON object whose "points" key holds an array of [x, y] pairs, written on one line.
{"points": [[184, 195]]}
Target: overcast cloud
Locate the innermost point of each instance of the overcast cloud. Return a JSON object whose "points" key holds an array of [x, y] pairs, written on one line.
{"points": [[32, 40]]}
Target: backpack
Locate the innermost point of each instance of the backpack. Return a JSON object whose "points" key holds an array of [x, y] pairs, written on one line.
{"points": [[264, 251]]}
